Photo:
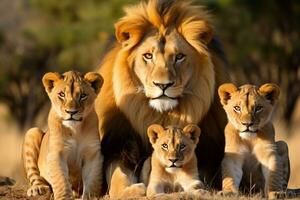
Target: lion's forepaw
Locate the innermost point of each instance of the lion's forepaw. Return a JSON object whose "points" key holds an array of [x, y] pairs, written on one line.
{"points": [[135, 190], [277, 195], [37, 190], [228, 193]]}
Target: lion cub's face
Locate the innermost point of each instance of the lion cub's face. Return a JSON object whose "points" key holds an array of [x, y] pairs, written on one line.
{"points": [[173, 147], [248, 108], [72, 95], [164, 65]]}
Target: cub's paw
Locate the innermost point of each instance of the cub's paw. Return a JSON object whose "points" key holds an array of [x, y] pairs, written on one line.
{"points": [[135, 190], [201, 191], [159, 196], [228, 193], [277, 195], [37, 190]]}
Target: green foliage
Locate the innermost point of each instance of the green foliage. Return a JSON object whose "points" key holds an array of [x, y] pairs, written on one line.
{"points": [[76, 30], [260, 38], [46, 36]]}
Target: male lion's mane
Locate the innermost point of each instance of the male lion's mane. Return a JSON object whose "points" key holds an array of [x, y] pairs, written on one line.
{"points": [[124, 110]]}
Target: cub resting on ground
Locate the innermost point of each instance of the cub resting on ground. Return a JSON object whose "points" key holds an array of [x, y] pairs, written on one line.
{"points": [[68, 155], [250, 147], [173, 164]]}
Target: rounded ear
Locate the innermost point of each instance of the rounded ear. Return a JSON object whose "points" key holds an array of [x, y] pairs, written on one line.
{"points": [[129, 31], [225, 91], [196, 30], [49, 79], [193, 131], [154, 131], [270, 91], [95, 80]]}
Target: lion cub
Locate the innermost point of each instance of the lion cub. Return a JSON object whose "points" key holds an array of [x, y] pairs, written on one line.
{"points": [[67, 156], [250, 147], [173, 164]]}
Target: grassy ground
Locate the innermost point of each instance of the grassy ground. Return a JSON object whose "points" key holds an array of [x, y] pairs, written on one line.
{"points": [[10, 156], [19, 192]]}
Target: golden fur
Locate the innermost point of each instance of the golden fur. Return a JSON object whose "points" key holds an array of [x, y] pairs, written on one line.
{"points": [[161, 70], [173, 162], [68, 155], [250, 147]]}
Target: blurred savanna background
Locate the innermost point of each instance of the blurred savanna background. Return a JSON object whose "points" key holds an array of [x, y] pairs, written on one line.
{"points": [[260, 39]]}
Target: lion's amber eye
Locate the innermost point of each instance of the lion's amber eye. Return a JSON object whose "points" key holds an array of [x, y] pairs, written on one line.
{"points": [[164, 146], [83, 97], [237, 109], [147, 56], [182, 147], [61, 95], [257, 109], [179, 57]]}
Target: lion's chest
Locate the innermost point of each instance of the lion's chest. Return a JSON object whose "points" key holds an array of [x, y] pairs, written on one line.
{"points": [[172, 180], [75, 155], [251, 163]]}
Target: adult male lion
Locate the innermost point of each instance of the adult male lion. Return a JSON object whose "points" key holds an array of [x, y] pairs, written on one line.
{"points": [[163, 69]]}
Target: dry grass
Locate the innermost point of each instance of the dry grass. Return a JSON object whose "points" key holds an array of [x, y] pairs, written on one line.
{"points": [[10, 147], [10, 157]]}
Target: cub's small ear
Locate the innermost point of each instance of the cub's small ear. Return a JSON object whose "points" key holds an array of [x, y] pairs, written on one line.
{"points": [[154, 132], [95, 80], [193, 131], [49, 79], [270, 91], [225, 91]]}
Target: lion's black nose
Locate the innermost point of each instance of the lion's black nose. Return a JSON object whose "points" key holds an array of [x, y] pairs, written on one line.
{"points": [[173, 160], [163, 86], [71, 112], [247, 124]]}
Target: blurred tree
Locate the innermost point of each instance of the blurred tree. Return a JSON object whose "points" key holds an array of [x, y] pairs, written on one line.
{"points": [[37, 36], [261, 40]]}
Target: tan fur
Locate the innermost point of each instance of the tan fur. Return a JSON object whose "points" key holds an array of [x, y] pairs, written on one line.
{"points": [[173, 162], [250, 146], [67, 156], [131, 101]]}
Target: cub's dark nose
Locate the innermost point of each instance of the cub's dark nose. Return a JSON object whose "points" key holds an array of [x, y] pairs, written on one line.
{"points": [[71, 112], [163, 86], [248, 124], [173, 160]]}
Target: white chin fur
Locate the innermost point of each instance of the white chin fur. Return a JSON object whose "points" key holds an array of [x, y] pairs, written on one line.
{"points": [[162, 105], [172, 170], [247, 135], [74, 126]]}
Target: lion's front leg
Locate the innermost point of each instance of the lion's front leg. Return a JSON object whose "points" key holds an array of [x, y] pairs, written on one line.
{"points": [[192, 185], [31, 151], [92, 175], [57, 168], [122, 182], [155, 189], [232, 173], [271, 168], [190, 182], [58, 173], [284, 160]]}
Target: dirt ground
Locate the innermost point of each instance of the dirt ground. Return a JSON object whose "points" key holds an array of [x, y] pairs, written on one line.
{"points": [[18, 192]]}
